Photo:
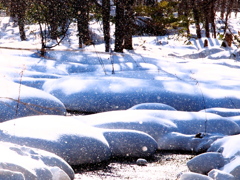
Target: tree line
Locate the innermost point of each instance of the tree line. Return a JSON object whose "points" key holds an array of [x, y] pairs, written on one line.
{"points": [[131, 17]]}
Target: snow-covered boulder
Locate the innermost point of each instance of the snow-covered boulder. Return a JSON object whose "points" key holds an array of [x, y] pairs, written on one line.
{"points": [[184, 142], [205, 162], [171, 121], [233, 167], [196, 122], [172, 130], [17, 100], [220, 175], [194, 176], [129, 143], [131, 120], [236, 119], [229, 146], [11, 175], [153, 106], [21, 162], [224, 112], [75, 142], [101, 93]]}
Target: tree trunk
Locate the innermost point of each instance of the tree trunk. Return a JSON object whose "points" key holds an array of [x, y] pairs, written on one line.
{"points": [[207, 14], [18, 9], [119, 26], [21, 29], [212, 19], [82, 24], [129, 24], [196, 19], [229, 10], [106, 23], [223, 7]]}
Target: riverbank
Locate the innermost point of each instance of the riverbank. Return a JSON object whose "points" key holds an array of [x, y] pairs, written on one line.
{"points": [[162, 166]]}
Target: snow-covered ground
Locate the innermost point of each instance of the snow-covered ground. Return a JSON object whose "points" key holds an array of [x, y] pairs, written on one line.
{"points": [[162, 95]]}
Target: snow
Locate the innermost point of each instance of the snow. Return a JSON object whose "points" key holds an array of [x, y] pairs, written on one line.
{"points": [[195, 176], [28, 163], [153, 106], [223, 111], [163, 95], [18, 100], [206, 162], [76, 144]]}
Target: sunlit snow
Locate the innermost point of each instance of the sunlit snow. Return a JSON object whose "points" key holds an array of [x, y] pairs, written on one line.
{"points": [[163, 95]]}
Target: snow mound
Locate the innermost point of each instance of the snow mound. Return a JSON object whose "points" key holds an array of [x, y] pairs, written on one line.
{"points": [[195, 176], [11, 175], [153, 106], [220, 175], [205, 162], [190, 143], [224, 112], [236, 119], [76, 142], [222, 155], [172, 130], [127, 143], [21, 162], [89, 93], [172, 121], [17, 100], [203, 53]]}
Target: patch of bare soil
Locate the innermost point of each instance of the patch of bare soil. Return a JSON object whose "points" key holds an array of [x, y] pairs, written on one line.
{"points": [[162, 166]]}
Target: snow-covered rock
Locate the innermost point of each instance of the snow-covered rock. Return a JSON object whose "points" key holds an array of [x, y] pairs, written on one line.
{"points": [[75, 142], [171, 121], [141, 162], [236, 119], [229, 146], [184, 142], [17, 100], [129, 143], [173, 130], [101, 93], [220, 175], [11, 175], [194, 176], [21, 162], [224, 112], [153, 106], [145, 122], [205, 162], [233, 167]]}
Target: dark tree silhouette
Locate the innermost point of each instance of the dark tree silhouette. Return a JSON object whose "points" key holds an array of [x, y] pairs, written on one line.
{"points": [[17, 9], [119, 26], [106, 23]]}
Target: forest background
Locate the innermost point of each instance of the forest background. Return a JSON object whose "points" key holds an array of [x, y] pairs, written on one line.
{"points": [[131, 17]]}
